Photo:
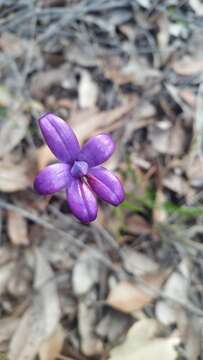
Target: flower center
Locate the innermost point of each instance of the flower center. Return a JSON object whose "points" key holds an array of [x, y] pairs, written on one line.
{"points": [[79, 168]]}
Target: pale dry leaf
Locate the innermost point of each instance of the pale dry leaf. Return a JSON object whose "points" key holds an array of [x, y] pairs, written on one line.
{"points": [[87, 91], [51, 348], [128, 297], [194, 168], [166, 313], [141, 344], [7, 254], [188, 96], [187, 66], [13, 176], [44, 157], [91, 345], [194, 338], [44, 80], [138, 335], [117, 76], [140, 71], [198, 125], [163, 34], [41, 319], [7, 327], [86, 272], [159, 213], [138, 263], [145, 3], [6, 272], [176, 183], [197, 6], [97, 121], [157, 349], [6, 99], [17, 228], [178, 30], [113, 325], [12, 131], [168, 139], [11, 44], [138, 225], [175, 289], [176, 286]]}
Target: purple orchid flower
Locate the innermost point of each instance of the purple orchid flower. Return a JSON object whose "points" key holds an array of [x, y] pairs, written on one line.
{"points": [[78, 171]]}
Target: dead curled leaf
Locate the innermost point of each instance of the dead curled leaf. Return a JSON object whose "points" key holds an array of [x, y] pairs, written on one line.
{"points": [[88, 91], [97, 120], [5, 274], [17, 228], [176, 289], [51, 348], [44, 157], [86, 273], [13, 130], [138, 263], [41, 319], [13, 175], [129, 297], [136, 224], [168, 139], [141, 344], [43, 80], [7, 327], [188, 66]]}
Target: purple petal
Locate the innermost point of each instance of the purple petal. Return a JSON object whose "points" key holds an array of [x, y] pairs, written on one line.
{"points": [[97, 150], [82, 201], [106, 185], [59, 137], [52, 178]]}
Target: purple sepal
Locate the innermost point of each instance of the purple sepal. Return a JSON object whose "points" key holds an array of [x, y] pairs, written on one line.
{"points": [[59, 137], [97, 149], [106, 185], [52, 178], [82, 201]]}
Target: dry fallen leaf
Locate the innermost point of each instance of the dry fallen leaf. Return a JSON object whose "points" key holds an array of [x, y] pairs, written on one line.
{"points": [[159, 213], [188, 66], [51, 348], [176, 183], [157, 349], [141, 344], [11, 44], [13, 130], [87, 122], [6, 272], [43, 80], [136, 224], [91, 344], [44, 157], [88, 91], [168, 139], [17, 228], [128, 297], [175, 289], [86, 272], [197, 6], [7, 327], [138, 263], [198, 124], [13, 176], [41, 319]]}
